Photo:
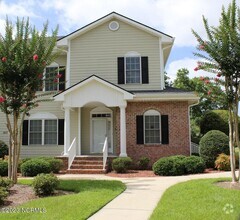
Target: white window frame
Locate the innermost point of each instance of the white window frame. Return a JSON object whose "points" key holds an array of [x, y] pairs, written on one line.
{"points": [[152, 113], [52, 65], [42, 116], [129, 55]]}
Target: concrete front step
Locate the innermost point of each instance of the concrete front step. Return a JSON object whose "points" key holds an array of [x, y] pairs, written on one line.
{"points": [[86, 171]]}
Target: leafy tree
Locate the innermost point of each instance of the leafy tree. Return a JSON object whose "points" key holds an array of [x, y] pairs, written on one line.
{"points": [[221, 55], [167, 80], [210, 92], [23, 55]]}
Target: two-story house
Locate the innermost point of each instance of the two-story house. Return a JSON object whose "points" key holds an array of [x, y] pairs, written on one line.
{"points": [[114, 88]]}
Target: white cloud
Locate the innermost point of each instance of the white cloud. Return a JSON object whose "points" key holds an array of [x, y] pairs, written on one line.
{"points": [[188, 63], [175, 17]]}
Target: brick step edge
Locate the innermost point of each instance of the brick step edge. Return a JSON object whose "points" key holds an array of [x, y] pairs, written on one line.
{"points": [[86, 171], [87, 162], [90, 166]]}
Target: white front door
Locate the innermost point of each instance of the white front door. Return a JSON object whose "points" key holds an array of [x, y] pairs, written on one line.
{"points": [[99, 132]]}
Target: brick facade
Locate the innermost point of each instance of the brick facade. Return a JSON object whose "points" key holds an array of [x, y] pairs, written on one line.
{"points": [[178, 130]]}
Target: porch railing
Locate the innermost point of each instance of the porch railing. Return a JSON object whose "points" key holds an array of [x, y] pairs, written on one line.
{"points": [[105, 153], [71, 153]]}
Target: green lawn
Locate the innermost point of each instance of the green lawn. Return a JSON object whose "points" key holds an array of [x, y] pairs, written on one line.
{"points": [[198, 199], [91, 195]]}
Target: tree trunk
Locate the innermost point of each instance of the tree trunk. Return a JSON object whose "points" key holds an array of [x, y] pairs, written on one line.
{"points": [[231, 144]]}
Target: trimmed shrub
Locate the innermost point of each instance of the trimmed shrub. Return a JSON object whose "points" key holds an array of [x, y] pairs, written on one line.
{"points": [[223, 162], [3, 149], [3, 168], [194, 164], [121, 164], [34, 167], [55, 164], [211, 145], [169, 166], [45, 184], [3, 194], [143, 163], [5, 182]]}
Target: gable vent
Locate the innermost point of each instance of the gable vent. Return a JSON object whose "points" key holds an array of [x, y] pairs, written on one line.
{"points": [[113, 26]]}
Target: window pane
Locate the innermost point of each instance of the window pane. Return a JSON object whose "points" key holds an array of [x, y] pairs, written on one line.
{"points": [[50, 79], [35, 135], [133, 70], [50, 132], [152, 129]]}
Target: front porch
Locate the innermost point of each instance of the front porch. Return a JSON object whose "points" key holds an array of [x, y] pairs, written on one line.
{"points": [[94, 109]]}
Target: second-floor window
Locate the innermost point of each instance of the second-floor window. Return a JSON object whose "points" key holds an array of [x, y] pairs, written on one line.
{"points": [[51, 79], [133, 69]]}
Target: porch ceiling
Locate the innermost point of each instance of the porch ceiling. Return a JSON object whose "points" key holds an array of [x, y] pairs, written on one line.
{"points": [[92, 90]]}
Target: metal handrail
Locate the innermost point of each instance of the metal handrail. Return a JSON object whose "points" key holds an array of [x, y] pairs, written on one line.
{"points": [[105, 153]]}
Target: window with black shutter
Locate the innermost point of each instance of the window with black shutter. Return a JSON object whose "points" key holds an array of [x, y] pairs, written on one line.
{"points": [[152, 128], [133, 70]]}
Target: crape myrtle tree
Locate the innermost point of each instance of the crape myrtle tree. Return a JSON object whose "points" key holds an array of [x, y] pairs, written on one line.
{"points": [[209, 91], [220, 53], [24, 54]]}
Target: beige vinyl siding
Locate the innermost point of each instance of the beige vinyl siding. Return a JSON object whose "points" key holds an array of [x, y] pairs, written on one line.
{"points": [[96, 52], [41, 151], [74, 126], [3, 129]]}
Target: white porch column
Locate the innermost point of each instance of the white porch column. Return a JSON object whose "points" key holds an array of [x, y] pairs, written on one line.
{"points": [[123, 152], [66, 130], [79, 150]]}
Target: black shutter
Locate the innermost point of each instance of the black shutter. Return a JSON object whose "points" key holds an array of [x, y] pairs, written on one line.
{"points": [[25, 133], [62, 78], [144, 62], [165, 129], [121, 79], [60, 131], [139, 128]]}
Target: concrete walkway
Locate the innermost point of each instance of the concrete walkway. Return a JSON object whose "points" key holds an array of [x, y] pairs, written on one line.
{"points": [[140, 198]]}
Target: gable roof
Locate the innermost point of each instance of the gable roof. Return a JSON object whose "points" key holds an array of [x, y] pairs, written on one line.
{"points": [[60, 96], [113, 15]]}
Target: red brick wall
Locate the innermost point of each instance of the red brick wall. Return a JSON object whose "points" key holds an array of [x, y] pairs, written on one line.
{"points": [[178, 130]]}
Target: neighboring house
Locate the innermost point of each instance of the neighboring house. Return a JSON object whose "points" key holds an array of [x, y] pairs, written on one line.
{"points": [[114, 74]]}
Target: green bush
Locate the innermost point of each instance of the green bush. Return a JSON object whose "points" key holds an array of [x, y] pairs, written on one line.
{"points": [[34, 167], [3, 168], [211, 145], [223, 162], [194, 164], [143, 163], [3, 149], [178, 165], [5, 182], [55, 164], [3, 194], [45, 184], [121, 164], [169, 166]]}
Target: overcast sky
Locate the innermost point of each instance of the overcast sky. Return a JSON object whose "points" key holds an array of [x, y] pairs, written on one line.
{"points": [[173, 17]]}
